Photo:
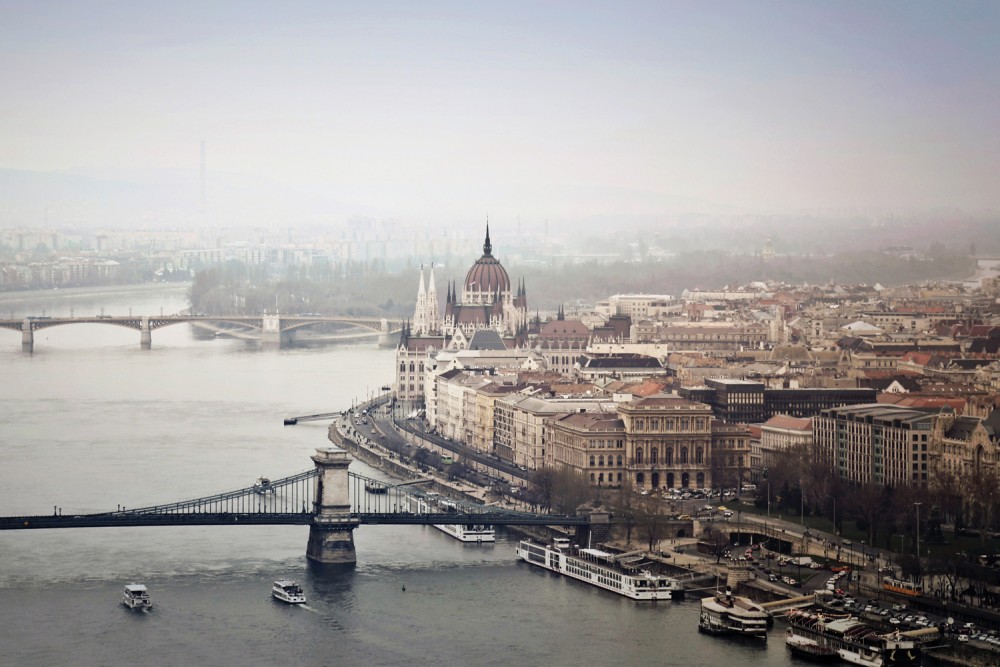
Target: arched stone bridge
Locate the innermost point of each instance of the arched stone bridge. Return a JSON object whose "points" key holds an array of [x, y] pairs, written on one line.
{"points": [[269, 329]]}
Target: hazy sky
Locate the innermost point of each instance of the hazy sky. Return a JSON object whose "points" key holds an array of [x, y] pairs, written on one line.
{"points": [[538, 109]]}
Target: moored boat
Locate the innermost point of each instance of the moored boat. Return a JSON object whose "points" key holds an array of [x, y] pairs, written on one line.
{"points": [[463, 533], [728, 614], [288, 591], [477, 533], [629, 574], [851, 639], [136, 596], [810, 649]]}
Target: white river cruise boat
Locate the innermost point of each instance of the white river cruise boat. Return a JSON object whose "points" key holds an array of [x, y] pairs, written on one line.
{"points": [[288, 591], [626, 574], [136, 597], [477, 533], [728, 614], [850, 640]]}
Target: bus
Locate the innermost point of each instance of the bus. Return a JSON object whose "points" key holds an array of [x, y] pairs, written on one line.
{"points": [[902, 587]]}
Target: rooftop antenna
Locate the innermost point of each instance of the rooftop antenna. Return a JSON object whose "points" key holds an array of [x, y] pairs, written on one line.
{"points": [[204, 200]]}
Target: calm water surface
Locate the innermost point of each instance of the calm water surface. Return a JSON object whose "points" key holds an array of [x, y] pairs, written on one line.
{"points": [[90, 422]]}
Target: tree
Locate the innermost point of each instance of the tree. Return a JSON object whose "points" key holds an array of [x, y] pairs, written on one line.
{"points": [[716, 541], [457, 470], [624, 507], [651, 518], [543, 481], [570, 489]]}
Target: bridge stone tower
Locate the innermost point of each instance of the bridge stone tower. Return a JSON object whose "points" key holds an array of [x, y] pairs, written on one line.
{"points": [[331, 535]]}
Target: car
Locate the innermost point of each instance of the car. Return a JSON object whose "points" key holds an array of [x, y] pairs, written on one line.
{"points": [[684, 517], [727, 514], [772, 577]]}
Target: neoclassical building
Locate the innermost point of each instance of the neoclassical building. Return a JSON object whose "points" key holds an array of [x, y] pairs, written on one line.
{"points": [[656, 443]]}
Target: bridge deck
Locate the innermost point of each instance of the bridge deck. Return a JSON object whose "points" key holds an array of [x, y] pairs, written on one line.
{"points": [[289, 501], [127, 519]]}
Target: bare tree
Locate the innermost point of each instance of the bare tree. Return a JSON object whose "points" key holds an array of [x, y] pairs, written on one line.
{"points": [[717, 542], [651, 518], [570, 490], [543, 480], [868, 504], [625, 508]]}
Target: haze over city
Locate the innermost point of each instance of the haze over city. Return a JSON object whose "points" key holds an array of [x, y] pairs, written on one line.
{"points": [[441, 113]]}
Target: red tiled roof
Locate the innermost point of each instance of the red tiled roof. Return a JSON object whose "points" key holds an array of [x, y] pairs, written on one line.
{"points": [[789, 422]]}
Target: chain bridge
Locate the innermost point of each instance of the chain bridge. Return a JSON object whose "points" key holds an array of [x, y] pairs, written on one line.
{"points": [[328, 498], [270, 329]]}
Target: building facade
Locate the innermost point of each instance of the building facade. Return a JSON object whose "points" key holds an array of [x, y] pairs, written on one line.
{"points": [[876, 444]]}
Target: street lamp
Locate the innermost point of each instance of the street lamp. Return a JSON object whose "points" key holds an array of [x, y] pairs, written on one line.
{"points": [[917, 505], [834, 499]]}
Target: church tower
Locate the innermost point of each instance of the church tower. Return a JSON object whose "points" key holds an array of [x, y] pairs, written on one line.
{"points": [[433, 316], [420, 323]]}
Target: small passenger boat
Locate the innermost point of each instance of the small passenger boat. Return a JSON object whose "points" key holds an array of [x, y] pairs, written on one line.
{"points": [[288, 591], [262, 486], [728, 614], [376, 487], [136, 597]]}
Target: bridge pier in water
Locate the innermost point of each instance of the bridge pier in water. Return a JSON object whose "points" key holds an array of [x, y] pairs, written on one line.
{"points": [[27, 337], [145, 334], [385, 339], [331, 535], [270, 331]]}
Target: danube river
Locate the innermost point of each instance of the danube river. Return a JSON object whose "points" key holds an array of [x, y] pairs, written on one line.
{"points": [[90, 422]]}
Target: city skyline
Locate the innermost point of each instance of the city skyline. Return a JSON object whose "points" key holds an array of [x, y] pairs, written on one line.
{"points": [[448, 111]]}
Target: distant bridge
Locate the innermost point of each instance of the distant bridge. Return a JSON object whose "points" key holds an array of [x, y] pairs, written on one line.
{"points": [[269, 329], [328, 498]]}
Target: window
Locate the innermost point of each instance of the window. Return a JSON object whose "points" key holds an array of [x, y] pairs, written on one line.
{"points": [[670, 456], [591, 460], [699, 455], [654, 455], [638, 455], [684, 455]]}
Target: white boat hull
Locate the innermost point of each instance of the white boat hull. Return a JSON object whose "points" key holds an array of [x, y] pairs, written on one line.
{"points": [[590, 573], [468, 533]]}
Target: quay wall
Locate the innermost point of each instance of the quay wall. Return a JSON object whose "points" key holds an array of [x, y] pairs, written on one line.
{"points": [[960, 656], [391, 466]]}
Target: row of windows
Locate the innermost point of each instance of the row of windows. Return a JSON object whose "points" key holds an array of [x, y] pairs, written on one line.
{"points": [[654, 455], [413, 367], [670, 424], [600, 461]]}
